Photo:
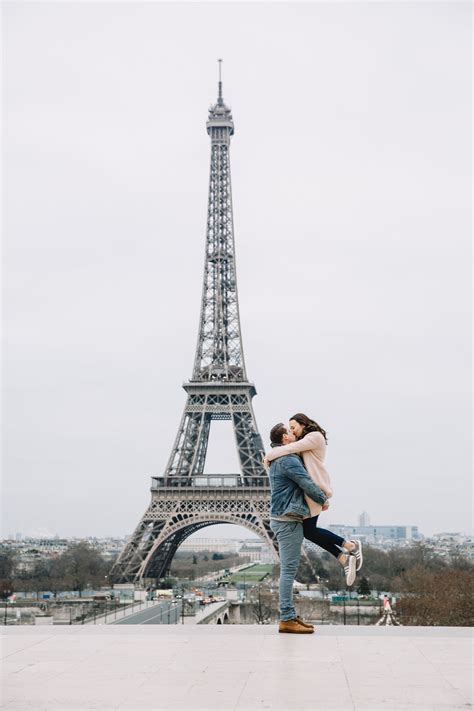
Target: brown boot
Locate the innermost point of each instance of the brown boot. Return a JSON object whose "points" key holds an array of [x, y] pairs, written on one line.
{"points": [[305, 624], [294, 627]]}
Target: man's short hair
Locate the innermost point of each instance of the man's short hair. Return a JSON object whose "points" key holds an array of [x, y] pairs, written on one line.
{"points": [[277, 432]]}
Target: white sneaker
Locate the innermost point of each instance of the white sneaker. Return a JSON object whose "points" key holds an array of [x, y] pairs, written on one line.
{"points": [[357, 553], [350, 569]]}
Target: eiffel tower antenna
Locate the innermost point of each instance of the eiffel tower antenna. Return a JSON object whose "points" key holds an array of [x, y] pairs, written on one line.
{"points": [[184, 499], [220, 100]]}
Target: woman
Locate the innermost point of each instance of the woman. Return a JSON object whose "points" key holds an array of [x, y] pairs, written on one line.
{"points": [[311, 444]]}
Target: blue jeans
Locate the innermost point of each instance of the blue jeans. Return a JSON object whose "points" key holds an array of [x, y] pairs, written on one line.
{"points": [[289, 535]]}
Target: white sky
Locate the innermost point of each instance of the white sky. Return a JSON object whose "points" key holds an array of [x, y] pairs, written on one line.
{"points": [[351, 168]]}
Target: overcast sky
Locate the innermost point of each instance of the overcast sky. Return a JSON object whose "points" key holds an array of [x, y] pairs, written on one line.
{"points": [[351, 170]]}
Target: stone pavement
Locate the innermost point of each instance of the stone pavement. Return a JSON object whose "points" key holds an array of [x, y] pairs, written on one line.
{"points": [[236, 667]]}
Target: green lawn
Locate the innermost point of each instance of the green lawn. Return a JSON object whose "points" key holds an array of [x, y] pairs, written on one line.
{"points": [[253, 574]]}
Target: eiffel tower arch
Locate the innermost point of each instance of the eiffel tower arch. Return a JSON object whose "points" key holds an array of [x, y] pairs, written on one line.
{"points": [[184, 499]]}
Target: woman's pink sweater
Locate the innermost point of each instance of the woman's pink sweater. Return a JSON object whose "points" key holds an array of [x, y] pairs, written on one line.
{"points": [[312, 447]]}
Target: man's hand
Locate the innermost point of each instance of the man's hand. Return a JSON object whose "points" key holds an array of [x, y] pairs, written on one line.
{"points": [[326, 506], [266, 463]]}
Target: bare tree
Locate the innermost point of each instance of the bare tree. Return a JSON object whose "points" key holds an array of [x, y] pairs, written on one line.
{"points": [[262, 609], [436, 598], [7, 566]]}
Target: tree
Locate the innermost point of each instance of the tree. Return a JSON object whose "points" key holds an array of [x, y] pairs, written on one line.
{"points": [[82, 565], [364, 587], [39, 576], [261, 608], [7, 562], [7, 567], [436, 598], [56, 579]]}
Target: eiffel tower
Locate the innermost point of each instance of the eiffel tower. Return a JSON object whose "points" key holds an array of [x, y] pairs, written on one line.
{"points": [[184, 499]]}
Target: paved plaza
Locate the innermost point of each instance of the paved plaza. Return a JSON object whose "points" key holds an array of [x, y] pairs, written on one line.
{"points": [[236, 667]]}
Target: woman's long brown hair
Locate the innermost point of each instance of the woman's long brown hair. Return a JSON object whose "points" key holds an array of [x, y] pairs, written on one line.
{"points": [[308, 425]]}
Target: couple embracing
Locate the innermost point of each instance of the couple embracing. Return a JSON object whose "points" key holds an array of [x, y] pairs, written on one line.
{"points": [[301, 489]]}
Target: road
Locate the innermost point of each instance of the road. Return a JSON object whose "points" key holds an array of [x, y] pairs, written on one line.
{"points": [[162, 614]]}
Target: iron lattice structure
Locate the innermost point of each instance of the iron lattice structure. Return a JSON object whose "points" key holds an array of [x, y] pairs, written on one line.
{"points": [[184, 499]]}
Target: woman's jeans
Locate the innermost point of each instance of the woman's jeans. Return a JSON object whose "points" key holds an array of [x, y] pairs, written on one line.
{"points": [[289, 535], [328, 540]]}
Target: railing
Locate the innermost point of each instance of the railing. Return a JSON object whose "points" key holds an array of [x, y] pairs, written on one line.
{"points": [[210, 481]]}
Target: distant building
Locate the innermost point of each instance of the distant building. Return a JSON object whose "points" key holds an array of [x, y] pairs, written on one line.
{"points": [[456, 536], [30, 550], [364, 519], [451, 544], [269, 555], [213, 545], [252, 548], [253, 552], [257, 551], [378, 534]]}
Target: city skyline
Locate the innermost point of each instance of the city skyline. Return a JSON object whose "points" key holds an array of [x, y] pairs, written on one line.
{"points": [[351, 187], [213, 532]]}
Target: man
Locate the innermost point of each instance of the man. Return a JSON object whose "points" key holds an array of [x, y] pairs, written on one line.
{"points": [[289, 480]]}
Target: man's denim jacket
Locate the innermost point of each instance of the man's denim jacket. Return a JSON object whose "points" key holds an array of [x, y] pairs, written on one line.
{"points": [[288, 480]]}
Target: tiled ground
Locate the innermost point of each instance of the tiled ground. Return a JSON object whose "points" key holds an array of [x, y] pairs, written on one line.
{"points": [[236, 668]]}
